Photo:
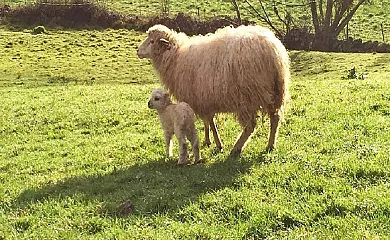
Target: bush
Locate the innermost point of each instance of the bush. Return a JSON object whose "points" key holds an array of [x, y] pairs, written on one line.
{"points": [[76, 14], [39, 30]]}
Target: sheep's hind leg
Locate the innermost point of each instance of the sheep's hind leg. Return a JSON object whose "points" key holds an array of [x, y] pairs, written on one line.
{"points": [[274, 119], [207, 141], [249, 127]]}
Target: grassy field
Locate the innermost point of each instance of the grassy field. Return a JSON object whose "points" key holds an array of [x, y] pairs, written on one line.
{"points": [[77, 141], [366, 23]]}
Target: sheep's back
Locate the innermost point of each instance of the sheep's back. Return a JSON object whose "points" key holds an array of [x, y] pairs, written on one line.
{"points": [[233, 70]]}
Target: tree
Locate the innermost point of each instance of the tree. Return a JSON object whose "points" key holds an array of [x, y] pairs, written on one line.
{"points": [[237, 9], [330, 20], [265, 17]]}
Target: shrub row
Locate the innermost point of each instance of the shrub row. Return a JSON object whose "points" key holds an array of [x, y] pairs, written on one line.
{"points": [[87, 13]]}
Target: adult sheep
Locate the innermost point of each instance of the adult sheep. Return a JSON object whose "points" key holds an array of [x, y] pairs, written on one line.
{"points": [[239, 70]]}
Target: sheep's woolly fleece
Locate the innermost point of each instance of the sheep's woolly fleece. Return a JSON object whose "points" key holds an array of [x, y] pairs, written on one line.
{"points": [[234, 70], [239, 70]]}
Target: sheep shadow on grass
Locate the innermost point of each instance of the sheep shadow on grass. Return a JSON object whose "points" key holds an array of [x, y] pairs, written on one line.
{"points": [[155, 187]]}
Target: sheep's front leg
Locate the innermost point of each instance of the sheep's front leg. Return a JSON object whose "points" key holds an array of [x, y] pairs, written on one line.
{"points": [[209, 122], [168, 143], [216, 136]]}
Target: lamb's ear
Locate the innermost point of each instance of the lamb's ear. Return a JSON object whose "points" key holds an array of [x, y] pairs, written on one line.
{"points": [[165, 43], [166, 95]]}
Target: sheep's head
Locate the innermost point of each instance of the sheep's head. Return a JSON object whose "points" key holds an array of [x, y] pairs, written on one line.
{"points": [[160, 39], [159, 99]]}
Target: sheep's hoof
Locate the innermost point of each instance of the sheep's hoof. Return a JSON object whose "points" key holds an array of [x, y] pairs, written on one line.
{"points": [[219, 149], [270, 148], [201, 160], [206, 144], [182, 162], [235, 153]]}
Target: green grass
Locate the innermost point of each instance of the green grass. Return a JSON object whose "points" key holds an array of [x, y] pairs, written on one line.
{"points": [[365, 24], [77, 140]]}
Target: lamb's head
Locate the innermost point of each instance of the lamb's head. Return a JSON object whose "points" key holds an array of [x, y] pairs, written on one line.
{"points": [[160, 40], [159, 99]]}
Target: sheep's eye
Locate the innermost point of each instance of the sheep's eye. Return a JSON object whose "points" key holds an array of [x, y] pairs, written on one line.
{"points": [[156, 99]]}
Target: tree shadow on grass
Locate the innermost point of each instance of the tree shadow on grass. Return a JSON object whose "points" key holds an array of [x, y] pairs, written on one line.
{"points": [[155, 187]]}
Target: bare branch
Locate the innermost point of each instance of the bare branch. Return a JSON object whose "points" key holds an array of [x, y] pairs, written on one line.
{"points": [[265, 18], [314, 16], [345, 21], [321, 11], [257, 12], [237, 9], [344, 6], [328, 16], [265, 12], [276, 11], [269, 21]]}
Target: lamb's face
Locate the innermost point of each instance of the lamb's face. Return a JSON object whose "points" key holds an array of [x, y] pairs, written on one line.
{"points": [[153, 46], [159, 99]]}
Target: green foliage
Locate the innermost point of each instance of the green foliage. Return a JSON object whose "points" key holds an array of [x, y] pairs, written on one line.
{"points": [[352, 74], [77, 142], [365, 24]]}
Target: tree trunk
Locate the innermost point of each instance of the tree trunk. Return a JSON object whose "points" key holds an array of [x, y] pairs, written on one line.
{"points": [[323, 41], [326, 31]]}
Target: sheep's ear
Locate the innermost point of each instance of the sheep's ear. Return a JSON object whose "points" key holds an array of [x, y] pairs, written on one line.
{"points": [[165, 43]]}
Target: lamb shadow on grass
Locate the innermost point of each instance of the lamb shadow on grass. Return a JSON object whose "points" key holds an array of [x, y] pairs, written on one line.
{"points": [[155, 187]]}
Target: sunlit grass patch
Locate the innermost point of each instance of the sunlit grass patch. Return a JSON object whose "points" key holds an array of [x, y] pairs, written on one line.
{"points": [[77, 141]]}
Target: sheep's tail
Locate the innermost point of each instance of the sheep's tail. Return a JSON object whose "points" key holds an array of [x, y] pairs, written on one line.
{"points": [[282, 82]]}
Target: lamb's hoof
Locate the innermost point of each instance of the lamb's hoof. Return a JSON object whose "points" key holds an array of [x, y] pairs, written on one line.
{"points": [[235, 153], [206, 144]]}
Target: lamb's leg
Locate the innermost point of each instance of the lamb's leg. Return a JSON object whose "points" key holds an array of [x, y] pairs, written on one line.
{"points": [[274, 119], [183, 153], [168, 144], [249, 124], [217, 139], [193, 138]]}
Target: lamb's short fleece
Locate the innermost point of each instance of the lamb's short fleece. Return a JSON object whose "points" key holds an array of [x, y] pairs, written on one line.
{"points": [[178, 119]]}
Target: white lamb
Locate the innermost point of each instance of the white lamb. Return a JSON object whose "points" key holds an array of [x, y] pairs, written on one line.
{"points": [[178, 119]]}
